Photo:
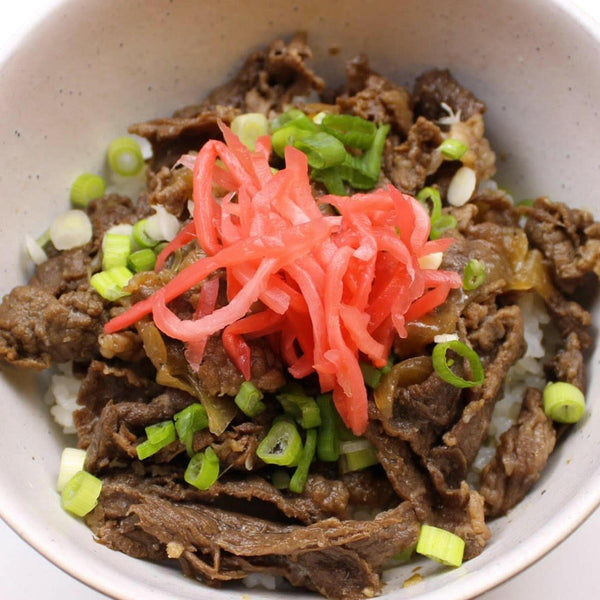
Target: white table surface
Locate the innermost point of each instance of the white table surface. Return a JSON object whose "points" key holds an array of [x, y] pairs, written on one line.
{"points": [[570, 571]]}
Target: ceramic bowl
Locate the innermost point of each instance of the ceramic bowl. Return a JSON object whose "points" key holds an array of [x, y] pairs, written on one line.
{"points": [[87, 70]]}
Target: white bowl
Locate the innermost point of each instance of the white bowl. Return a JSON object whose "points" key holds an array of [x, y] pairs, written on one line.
{"points": [[89, 69]]}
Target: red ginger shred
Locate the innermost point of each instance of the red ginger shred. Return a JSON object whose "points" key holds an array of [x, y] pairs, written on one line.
{"points": [[333, 288]]}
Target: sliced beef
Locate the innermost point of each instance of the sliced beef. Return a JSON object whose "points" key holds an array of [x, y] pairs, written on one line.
{"points": [[120, 428], [64, 272], [569, 363], [520, 458], [569, 316], [375, 98], [104, 383], [408, 164], [37, 329], [403, 470], [172, 188], [340, 559], [437, 86], [569, 239], [220, 376], [268, 81], [500, 343]]}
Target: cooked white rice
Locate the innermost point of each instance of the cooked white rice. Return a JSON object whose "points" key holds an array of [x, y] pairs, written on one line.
{"points": [[62, 398]]}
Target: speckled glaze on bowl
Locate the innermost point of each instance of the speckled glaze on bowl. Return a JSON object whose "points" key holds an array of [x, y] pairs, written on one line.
{"points": [[88, 69]]}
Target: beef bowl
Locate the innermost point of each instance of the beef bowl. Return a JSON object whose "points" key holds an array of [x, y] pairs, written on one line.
{"points": [[487, 108]]}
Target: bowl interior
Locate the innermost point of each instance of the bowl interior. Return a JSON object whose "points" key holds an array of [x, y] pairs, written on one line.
{"points": [[88, 70]]}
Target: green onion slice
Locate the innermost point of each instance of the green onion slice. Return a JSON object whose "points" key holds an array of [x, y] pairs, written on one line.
{"points": [[328, 440], [453, 149], [141, 260], [80, 494], [161, 434], [298, 480], [563, 402], [70, 230], [188, 421], [141, 237], [442, 364], [474, 274], [85, 188], [371, 375], [249, 399], [109, 284], [294, 117], [115, 250], [356, 455], [440, 545], [281, 446], [71, 461], [322, 150], [350, 130], [431, 196], [302, 408], [331, 178], [203, 469], [442, 224], [249, 127], [125, 156]]}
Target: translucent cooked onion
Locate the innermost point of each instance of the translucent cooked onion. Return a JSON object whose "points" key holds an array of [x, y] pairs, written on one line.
{"points": [[408, 372]]}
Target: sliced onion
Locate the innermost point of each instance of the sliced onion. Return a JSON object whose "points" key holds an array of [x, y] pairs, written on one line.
{"points": [[35, 251], [162, 225], [462, 186], [70, 230]]}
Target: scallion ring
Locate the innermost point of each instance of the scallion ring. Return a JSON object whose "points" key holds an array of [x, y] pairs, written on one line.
{"points": [[474, 274], [249, 399], [281, 446], [431, 196], [203, 469], [80, 494], [441, 545], [442, 224], [125, 156], [442, 364], [563, 402], [453, 149], [85, 188]]}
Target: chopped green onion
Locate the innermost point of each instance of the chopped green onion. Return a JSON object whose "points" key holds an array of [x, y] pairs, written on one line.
{"points": [[70, 230], [109, 284], [356, 455], [203, 469], [35, 251], [328, 441], [440, 545], [294, 117], [474, 274], [141, 237], [115, 250], [563, 402], [371, 375], [298, 480], [280, 479], [453, 149], [302, 408], [159, 247], [350, 130], [163, 225], [44, 238], [249, 399], [331, 178], [162, 433], [141, 260], [281, 446], [85, 188], [188, 421], [442, 224], [80, 494], [322, 150], [159, 435], [526, 202], [71, 462], [442, 364], [431, 195], [372, 157], [249, 127], [125, 156], [354, 171]]}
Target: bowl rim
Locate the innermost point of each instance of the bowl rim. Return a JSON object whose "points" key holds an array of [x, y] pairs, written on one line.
{"points": [[120, 587]]}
